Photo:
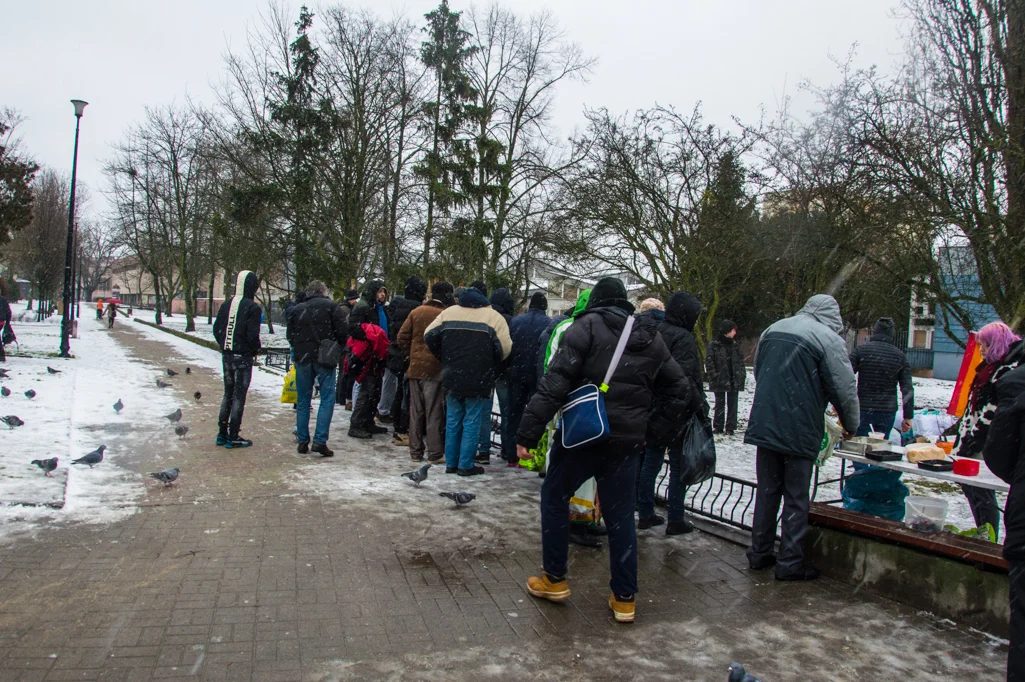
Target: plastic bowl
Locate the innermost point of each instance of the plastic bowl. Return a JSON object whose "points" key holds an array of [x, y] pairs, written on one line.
{"points": [[946, 446], [926, 514], [966, 467]]}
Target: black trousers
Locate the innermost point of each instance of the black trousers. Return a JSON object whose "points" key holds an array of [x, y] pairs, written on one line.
{"points": [[984, 506], [238, 371], [344, 392], [366, 402], [400, 404], [725, 411], [1016, 652], [786, 476]]}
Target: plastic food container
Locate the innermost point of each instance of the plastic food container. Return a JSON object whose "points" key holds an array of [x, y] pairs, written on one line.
{"points": [[946, 446], [925, 514], [966, 467]]}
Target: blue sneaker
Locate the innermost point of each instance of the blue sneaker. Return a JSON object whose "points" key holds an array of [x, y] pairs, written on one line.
{"points": [[237, 442], [222, 440]]}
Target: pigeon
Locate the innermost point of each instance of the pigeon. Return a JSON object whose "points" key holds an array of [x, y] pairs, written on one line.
{"points": [[118, 406], [197, 395], [181, 430], [188, 370], [418, 476], [94, 457], [30, 394], [51, 370], [167, 476], [47, 465], [5, 391], [738, 674], [175, 416], [162, 384], [11, 421], [460, 498], [171, 372], [3, 373]]}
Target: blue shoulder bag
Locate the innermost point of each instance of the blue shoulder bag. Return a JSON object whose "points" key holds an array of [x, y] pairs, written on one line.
{"points": [[584, 419]]}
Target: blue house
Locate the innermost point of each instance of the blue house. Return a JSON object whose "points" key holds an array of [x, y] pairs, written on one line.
{"points": [[961, 278]]}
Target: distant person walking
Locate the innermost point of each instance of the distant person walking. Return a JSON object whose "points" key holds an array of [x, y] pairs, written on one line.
{"points": [[111, 314], [5, 320], [237, 331], [99, 309], [726, 375], [315, 320], [801, 366]]}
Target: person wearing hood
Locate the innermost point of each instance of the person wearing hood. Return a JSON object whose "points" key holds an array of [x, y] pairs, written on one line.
{"points": [[585, 352], [470, 340], [394, 405], [371, 309], [237, 331], [525, 331], [676, 329], [345, 382], [800, 367], [726, 374], [502, 303]]}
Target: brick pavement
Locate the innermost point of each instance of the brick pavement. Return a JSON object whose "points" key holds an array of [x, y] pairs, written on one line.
{"points": [[266, 565]]}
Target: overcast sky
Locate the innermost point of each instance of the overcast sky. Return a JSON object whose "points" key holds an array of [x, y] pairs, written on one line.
{"points": [[122, 55]]}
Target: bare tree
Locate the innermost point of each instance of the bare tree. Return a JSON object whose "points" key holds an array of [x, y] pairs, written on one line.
{"points": [[37, 250]]}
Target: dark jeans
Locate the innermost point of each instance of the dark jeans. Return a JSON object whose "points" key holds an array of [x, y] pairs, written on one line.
{"points": [[238, 370], [344, 394], [519, 396], [400, 404], [725, 411], [650, 469], [305, 374], [366, 402], [781, 475], [615, 470], [984, 506], [503, 391], [1016, 651], [876, 421]]}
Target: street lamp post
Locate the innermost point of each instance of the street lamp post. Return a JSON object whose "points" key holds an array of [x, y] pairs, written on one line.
{"points": [[68, 254]]}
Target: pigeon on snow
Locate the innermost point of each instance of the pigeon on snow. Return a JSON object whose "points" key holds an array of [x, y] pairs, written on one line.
{"points": [[5, 391], [51, 370], [162, 384], [181, 430], [738, 674], [188, 370], [93, 458], [175, 416], [47, 465], [460, 498], [418, 476], [30, 394], [118, 406], [167, 476], [197, 395], [11, 421], [171, 372], [3, 373]]}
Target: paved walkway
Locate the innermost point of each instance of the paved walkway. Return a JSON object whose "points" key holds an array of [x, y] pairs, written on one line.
{"points": [[263, 564]]}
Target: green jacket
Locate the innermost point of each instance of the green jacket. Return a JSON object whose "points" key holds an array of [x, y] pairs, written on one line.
{"points": [[560, 329]]}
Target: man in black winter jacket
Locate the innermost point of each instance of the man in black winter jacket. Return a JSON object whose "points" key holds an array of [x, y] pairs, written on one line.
{"points": [[502, 303], [881, 367], [585, 353], [344, 395], [311, 322], [525, 331], [726, 374], [677, 331], [394, 389], [237, 331], [371, 309]]}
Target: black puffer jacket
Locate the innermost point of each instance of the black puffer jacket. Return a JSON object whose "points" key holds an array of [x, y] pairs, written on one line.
{"points": [[1005, 455], [367, 311], [502, 303], [678, 331], [318, 317], [880, 367], [585, 351], [724, 362], [400, 308], [237, 327]]}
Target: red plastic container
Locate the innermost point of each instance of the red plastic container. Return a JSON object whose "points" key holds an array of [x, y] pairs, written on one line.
{"points": [[966, 467]]}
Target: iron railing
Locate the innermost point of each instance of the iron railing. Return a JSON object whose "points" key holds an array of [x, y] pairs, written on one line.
{"points": [[722, 498], [278, 357]]}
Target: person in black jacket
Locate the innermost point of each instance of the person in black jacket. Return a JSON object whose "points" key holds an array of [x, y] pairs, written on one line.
{"points": [[881, 367], [5, 319], [237, 331], [311, 322], [646, 369], [394, 405], [525, 331], [1004, 452], [726, 374], [371, 309], [502, 303], [676, 330], [345, 381]]}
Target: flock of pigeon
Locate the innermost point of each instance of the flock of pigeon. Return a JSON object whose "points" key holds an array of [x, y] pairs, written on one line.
{"points": [[12, 421], [420, 475]]}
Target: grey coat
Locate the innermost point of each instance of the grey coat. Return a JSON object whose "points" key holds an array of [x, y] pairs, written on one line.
{"points": [[800, 366]]}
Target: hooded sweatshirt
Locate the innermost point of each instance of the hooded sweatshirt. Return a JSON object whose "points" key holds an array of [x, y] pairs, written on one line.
{"points": [[682, 313], [368, 310], [237, 328], [800, 367]]}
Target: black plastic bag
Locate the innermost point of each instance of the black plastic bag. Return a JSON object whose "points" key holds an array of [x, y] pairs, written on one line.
{"points": [[698, 461], [8, 335]]}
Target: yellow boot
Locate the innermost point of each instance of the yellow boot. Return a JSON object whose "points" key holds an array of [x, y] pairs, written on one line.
{"points": [[622, 610], [544, 588]]}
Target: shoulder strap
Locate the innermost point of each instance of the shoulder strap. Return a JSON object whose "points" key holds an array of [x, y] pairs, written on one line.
{"points": [[313, 327], [618, 355]]}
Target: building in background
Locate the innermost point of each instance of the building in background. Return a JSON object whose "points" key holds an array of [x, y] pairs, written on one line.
{"points": [[562, 287]]}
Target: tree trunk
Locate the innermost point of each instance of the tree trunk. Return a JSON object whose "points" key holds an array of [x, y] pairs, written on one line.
{"points": [[210, 297], [189, 293], [156, 286]]}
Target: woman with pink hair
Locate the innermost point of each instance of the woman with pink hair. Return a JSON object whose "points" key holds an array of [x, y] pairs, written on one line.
{"points": [[1002, 351]]}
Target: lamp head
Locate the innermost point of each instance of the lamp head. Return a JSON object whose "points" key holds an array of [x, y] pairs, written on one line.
{"points": [[79, 107]]}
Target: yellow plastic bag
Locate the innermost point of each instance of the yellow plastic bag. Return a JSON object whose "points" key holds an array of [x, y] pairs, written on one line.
{"points": [[288, 393]]}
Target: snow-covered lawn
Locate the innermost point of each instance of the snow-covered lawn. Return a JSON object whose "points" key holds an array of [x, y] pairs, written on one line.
{"points": [[205, 331]]}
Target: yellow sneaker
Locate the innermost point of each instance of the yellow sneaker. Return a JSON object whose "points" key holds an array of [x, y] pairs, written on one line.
{"points": [[543, 588], [622, 610]]}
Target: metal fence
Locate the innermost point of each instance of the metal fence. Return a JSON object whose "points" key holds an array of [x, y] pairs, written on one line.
{"points": [[722, 498], [278, 357]]}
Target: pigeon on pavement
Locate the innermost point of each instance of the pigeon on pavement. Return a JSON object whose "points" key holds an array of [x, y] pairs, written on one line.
{"points": [[162, 384], [3, 373], [118, 406], [181, 430], [175, 416], [188, 370], [418, 476], [51, 370], [47, 465], [11, 421], [197, 395], [94, 457], [30, 394], [5, 391], [738, 674], [460, 498], [171, 372], [167, 476]]}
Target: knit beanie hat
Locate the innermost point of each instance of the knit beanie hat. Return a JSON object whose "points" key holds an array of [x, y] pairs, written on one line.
{"points": [[610, 292], [480, 286], [884, 325], [726, 326], [442, 291], [351, 294], [538, 300], [651, 304]]}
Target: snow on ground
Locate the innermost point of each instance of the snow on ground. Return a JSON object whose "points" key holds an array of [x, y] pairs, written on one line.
{"points": [[72, 414], [205, 331]]}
